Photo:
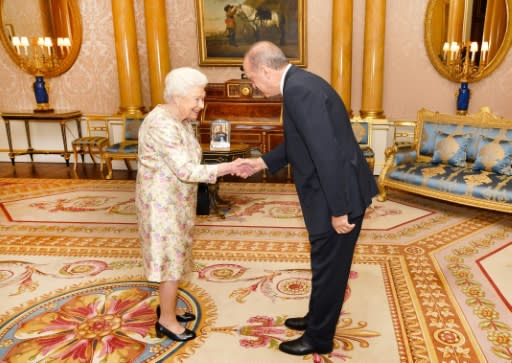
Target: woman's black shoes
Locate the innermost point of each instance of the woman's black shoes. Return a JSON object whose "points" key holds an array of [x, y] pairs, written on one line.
{"points": [[183, 318], [183, 337]]}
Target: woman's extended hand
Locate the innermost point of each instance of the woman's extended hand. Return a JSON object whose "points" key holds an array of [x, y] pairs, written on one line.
{"points": [[241, 167], [248, 167]]}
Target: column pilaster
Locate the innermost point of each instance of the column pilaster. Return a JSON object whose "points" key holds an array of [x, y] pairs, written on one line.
{"points": [[373, 61], [158, 48], [341, 57], [127, 57]]}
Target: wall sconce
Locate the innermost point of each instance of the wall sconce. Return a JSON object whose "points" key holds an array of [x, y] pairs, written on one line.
{"points": [[461, 60], [41, 53]]}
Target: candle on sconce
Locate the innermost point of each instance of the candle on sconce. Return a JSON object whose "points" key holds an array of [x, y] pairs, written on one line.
{"points": [[453, 50], [66, 42], [40, 43], [446, 48], [484, 49], [25, 44], [63, 43], [48, 44], [16, 42], [472, 50], [60, 44]]}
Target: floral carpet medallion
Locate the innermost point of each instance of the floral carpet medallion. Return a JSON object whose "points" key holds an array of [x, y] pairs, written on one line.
{"points": [[429, 282], [108, 322]]}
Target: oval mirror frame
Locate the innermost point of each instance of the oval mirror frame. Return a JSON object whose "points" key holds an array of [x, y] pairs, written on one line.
{"points": [[442, 68], [67, 62]]}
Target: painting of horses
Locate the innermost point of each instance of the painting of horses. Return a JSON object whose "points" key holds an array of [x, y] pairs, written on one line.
{"points": [[226, 29]]}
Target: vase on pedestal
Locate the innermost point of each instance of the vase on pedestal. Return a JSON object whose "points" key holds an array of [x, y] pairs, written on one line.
{"points": [[463, 98], [41, 94]]}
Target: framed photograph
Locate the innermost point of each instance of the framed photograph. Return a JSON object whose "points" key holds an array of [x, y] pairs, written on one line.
{"points": [[220, 134], [226, 29]]}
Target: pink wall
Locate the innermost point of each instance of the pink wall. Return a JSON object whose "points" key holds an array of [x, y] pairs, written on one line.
{"points": [[410, 81]]}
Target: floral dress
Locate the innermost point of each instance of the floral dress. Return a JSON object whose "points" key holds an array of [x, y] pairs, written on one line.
{"points": [[169, 168]]}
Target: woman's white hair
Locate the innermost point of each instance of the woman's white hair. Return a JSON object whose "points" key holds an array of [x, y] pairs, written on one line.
{"points": [[180, 81]]}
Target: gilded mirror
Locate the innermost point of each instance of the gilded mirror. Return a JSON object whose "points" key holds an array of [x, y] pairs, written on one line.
{"points": [[43, 37], [478, 31]]}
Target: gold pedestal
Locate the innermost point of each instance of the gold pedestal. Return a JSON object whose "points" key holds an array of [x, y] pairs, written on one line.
{"points": [[43, 107]]}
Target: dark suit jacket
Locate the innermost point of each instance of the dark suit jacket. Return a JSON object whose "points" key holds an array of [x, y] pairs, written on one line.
{"points": [[331, 175]]}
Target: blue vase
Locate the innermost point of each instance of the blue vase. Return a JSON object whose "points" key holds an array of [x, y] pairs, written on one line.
{"points": [[463, 98], [40, 90]]}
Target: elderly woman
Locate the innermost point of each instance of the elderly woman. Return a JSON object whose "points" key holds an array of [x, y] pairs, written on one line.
{"points": [[169, 168]]}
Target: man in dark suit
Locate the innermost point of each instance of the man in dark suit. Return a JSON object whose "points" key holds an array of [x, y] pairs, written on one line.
{"points": [[333, 182]]}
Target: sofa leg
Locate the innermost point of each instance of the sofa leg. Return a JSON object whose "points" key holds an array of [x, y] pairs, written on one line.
{"points": [[382, 176], [108, 161], [382, 196]]}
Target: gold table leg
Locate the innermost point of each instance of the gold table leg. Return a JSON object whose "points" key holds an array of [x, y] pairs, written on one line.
{"points": [[9, 140]]}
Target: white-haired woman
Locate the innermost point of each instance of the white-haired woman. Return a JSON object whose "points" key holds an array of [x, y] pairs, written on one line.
{"points": [[169, 168]]}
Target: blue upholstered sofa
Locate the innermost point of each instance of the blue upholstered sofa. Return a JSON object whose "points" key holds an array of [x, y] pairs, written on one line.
{"points": [[459, 158]]}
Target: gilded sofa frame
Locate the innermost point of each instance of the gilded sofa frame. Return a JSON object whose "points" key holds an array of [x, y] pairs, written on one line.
{"points": [[483, 119]]}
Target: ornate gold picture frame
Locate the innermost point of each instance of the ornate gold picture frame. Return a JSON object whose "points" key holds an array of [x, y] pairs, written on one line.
{"points": [[226, 29]]}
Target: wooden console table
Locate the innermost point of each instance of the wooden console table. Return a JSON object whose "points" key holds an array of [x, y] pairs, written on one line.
{"points": [[214, 156], [27, 117]]}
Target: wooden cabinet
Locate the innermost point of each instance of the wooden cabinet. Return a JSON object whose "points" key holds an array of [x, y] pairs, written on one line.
{"points": [[255, 120]]}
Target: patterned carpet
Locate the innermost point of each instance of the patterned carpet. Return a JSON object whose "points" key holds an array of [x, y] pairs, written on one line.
{"points": [[429, 283]]}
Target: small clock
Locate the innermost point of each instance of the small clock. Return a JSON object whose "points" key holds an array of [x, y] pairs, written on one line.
{"points": [[245, 90]]}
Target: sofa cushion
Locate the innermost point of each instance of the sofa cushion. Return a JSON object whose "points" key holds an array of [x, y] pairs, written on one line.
{"points": [[451, 149], [429, 133], [123, 147], [494, 155], [475, 133], [405, 157], [431, 129], [361, 132]]}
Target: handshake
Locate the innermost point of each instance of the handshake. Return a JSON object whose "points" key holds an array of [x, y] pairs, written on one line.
{"points": [[242, 167]]}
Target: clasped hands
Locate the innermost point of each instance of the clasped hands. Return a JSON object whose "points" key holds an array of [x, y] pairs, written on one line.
{"points": [[341, 224], [242, 168]]}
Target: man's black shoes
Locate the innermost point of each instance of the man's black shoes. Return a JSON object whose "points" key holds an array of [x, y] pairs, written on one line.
{"points": [[301, 346], [296, 323]]}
